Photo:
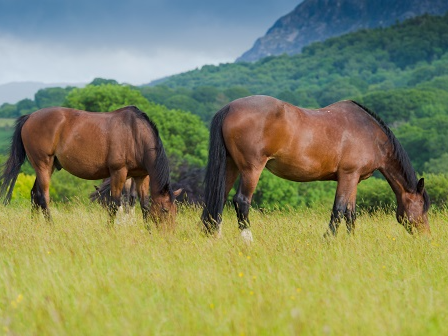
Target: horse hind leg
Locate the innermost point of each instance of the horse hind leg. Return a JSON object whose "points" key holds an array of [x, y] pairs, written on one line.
{"points": [[243, 198], [40, 194], [231, 176], [36, 195]]}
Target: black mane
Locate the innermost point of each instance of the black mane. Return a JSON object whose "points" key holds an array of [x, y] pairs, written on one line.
{"points": [[400, 154], [162, 167]]}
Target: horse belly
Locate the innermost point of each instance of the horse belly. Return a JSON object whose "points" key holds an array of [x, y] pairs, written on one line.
{"points": [[301, 170], [84, 166]]}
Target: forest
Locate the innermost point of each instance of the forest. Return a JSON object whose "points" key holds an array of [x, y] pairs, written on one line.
{"points": [[400, 72]]}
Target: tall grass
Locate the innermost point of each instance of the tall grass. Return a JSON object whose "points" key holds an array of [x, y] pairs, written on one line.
{"points": [[77, 277]]}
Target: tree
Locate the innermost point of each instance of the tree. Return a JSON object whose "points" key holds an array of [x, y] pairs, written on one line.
{"points": [[51, 96], [26, 106], [101, 81]]}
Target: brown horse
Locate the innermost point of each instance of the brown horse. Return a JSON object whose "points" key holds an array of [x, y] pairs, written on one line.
{"points": [[92, 145], [344, 142]]}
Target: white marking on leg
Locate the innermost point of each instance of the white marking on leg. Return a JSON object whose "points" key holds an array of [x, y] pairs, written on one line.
{"points": [[120, 215], [247, 236], [218, 233]]}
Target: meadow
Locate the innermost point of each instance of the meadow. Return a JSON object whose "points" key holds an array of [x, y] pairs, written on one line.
{"points": [[79, 277]]}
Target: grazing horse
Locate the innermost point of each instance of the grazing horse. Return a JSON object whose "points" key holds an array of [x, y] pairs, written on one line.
{"points": [[189, 181], [344, 142], [92, 145], [129, 195]]}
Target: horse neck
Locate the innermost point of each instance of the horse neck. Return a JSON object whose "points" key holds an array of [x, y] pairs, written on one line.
{"points": [[157, 169], [393, 172]]}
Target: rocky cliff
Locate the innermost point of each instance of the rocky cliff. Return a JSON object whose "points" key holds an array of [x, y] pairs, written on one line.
{"points": [[317, 20]]}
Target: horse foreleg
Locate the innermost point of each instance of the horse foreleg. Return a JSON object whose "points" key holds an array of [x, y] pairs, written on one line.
{"points": [[117, 181], [337, 214], [350, 215], [344, 204], [142, 187]]}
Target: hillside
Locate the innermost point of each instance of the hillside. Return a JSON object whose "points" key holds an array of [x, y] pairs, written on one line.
{"points": [[317, 20], [402, 55]]}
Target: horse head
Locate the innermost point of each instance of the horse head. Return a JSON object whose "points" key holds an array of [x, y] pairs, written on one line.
{"points": [[163, 208], [412, 210]]}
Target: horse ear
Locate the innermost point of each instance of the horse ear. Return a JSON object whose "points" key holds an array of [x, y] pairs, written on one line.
{"points": [[177, 192], [421, 186]]}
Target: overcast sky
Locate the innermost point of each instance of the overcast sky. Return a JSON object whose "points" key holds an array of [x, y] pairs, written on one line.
{"points": [[132, 41]]}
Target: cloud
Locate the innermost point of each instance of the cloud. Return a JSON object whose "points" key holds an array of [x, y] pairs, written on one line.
{"points": [[133, 41], [34, 61]]}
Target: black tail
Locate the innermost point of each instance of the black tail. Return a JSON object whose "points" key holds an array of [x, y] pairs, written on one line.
{"points": [[102, 193], [11, 168], [215, 175]]}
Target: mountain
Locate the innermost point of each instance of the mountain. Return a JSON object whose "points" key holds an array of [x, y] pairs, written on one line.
{"points": [[317, 20], [15, 91]]}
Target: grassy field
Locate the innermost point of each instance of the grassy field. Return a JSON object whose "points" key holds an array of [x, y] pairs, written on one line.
{"points": [[78, 277]]}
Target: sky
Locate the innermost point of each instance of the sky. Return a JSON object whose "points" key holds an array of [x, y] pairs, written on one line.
{"points": [[131, 41]]}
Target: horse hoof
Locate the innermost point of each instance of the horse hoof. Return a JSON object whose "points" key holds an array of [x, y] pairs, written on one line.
{"points": [[247, 236]]}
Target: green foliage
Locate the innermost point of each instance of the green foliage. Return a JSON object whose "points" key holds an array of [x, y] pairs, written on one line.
{"points": [[25, 106], [22, 188], [437, 165], [424, 139], [8, 111], [374, 193], [403, 105], [102, 81], [66, 187], [5, 139], [437, 187], [316, 194], [51, 96], [202, 101], [275, 192], [103, 98]]}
